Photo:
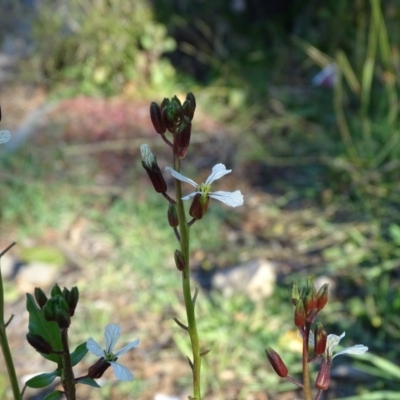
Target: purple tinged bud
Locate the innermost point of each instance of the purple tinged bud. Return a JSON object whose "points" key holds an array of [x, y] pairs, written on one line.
{"points": [[324, 375], [276, 362], [149, 162], [320, 338], [168, 118], [199, 206], [191, 101], [155, 116], [179, 260], [173, 219], [322, 296], [182, 138]]}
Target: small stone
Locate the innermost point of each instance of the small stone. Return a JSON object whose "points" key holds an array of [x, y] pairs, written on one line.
{"points": [[256, 279], [37, 274]]}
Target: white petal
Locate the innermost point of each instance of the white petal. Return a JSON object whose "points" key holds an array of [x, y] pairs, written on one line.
{"points": [[233, 199], [5, 136], [122, 373], [112, 333], [218, 171], [126, 348], [180, 177], [333, 340], [94, 348], [357, 349], [190, 195]]}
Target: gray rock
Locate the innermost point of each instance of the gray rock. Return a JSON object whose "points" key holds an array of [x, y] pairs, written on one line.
{"points": [[37, 274], [256, 279]]}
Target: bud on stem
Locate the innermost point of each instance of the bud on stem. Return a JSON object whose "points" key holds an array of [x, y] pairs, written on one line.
{"points": [[276, 362]]}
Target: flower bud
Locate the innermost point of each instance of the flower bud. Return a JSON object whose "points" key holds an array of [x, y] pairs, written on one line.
{"points": [[39, 343], [276, 362], [56, 291], [199, 206], [63, 319], [322, 296], [191, 101], [179, 260], [173, 219], [72, 300], [320, 338], [155, 116], [149, 162], [310, 298], [299, 315], [295, 295], [324, 375], [170, 113], [49, 310], [97, 370], [40, 297], [182, 138]]}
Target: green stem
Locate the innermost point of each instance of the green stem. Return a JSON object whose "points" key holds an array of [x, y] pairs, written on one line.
{"points": [[306, 370], [4, 342], [68, 380], [187, 294]]}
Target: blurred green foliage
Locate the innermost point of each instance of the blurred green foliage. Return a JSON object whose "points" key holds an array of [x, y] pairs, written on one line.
{"points": [[101, 46]]}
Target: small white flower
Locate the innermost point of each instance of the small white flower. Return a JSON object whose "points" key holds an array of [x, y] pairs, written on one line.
{"points": [[332, 341], [112, 333], [233, 199]]}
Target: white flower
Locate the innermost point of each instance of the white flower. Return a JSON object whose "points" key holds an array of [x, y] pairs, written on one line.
{"points": [[332, 341], [233, 199], [112, 333]]}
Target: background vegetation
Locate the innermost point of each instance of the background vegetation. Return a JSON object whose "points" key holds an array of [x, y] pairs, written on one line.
{"points": [[320, 166]]}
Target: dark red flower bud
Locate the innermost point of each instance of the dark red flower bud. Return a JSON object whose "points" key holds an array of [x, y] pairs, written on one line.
{"points": [[324, 375], [276, 362], [155, 116], [149, 162], [97, 370], [322, 296], [299, 315], [199, 206], [173, 219], [189, 106], [182, 138], [179, 260], [310, 298]]}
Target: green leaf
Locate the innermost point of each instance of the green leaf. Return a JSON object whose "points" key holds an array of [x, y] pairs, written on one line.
{"points": [[55, 395], [78, 353], [394, 231], [89, 382], [48, 330], [42, 380]]}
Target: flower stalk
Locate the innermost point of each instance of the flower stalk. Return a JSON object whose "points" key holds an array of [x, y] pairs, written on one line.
{"points": [[5, 348]]}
